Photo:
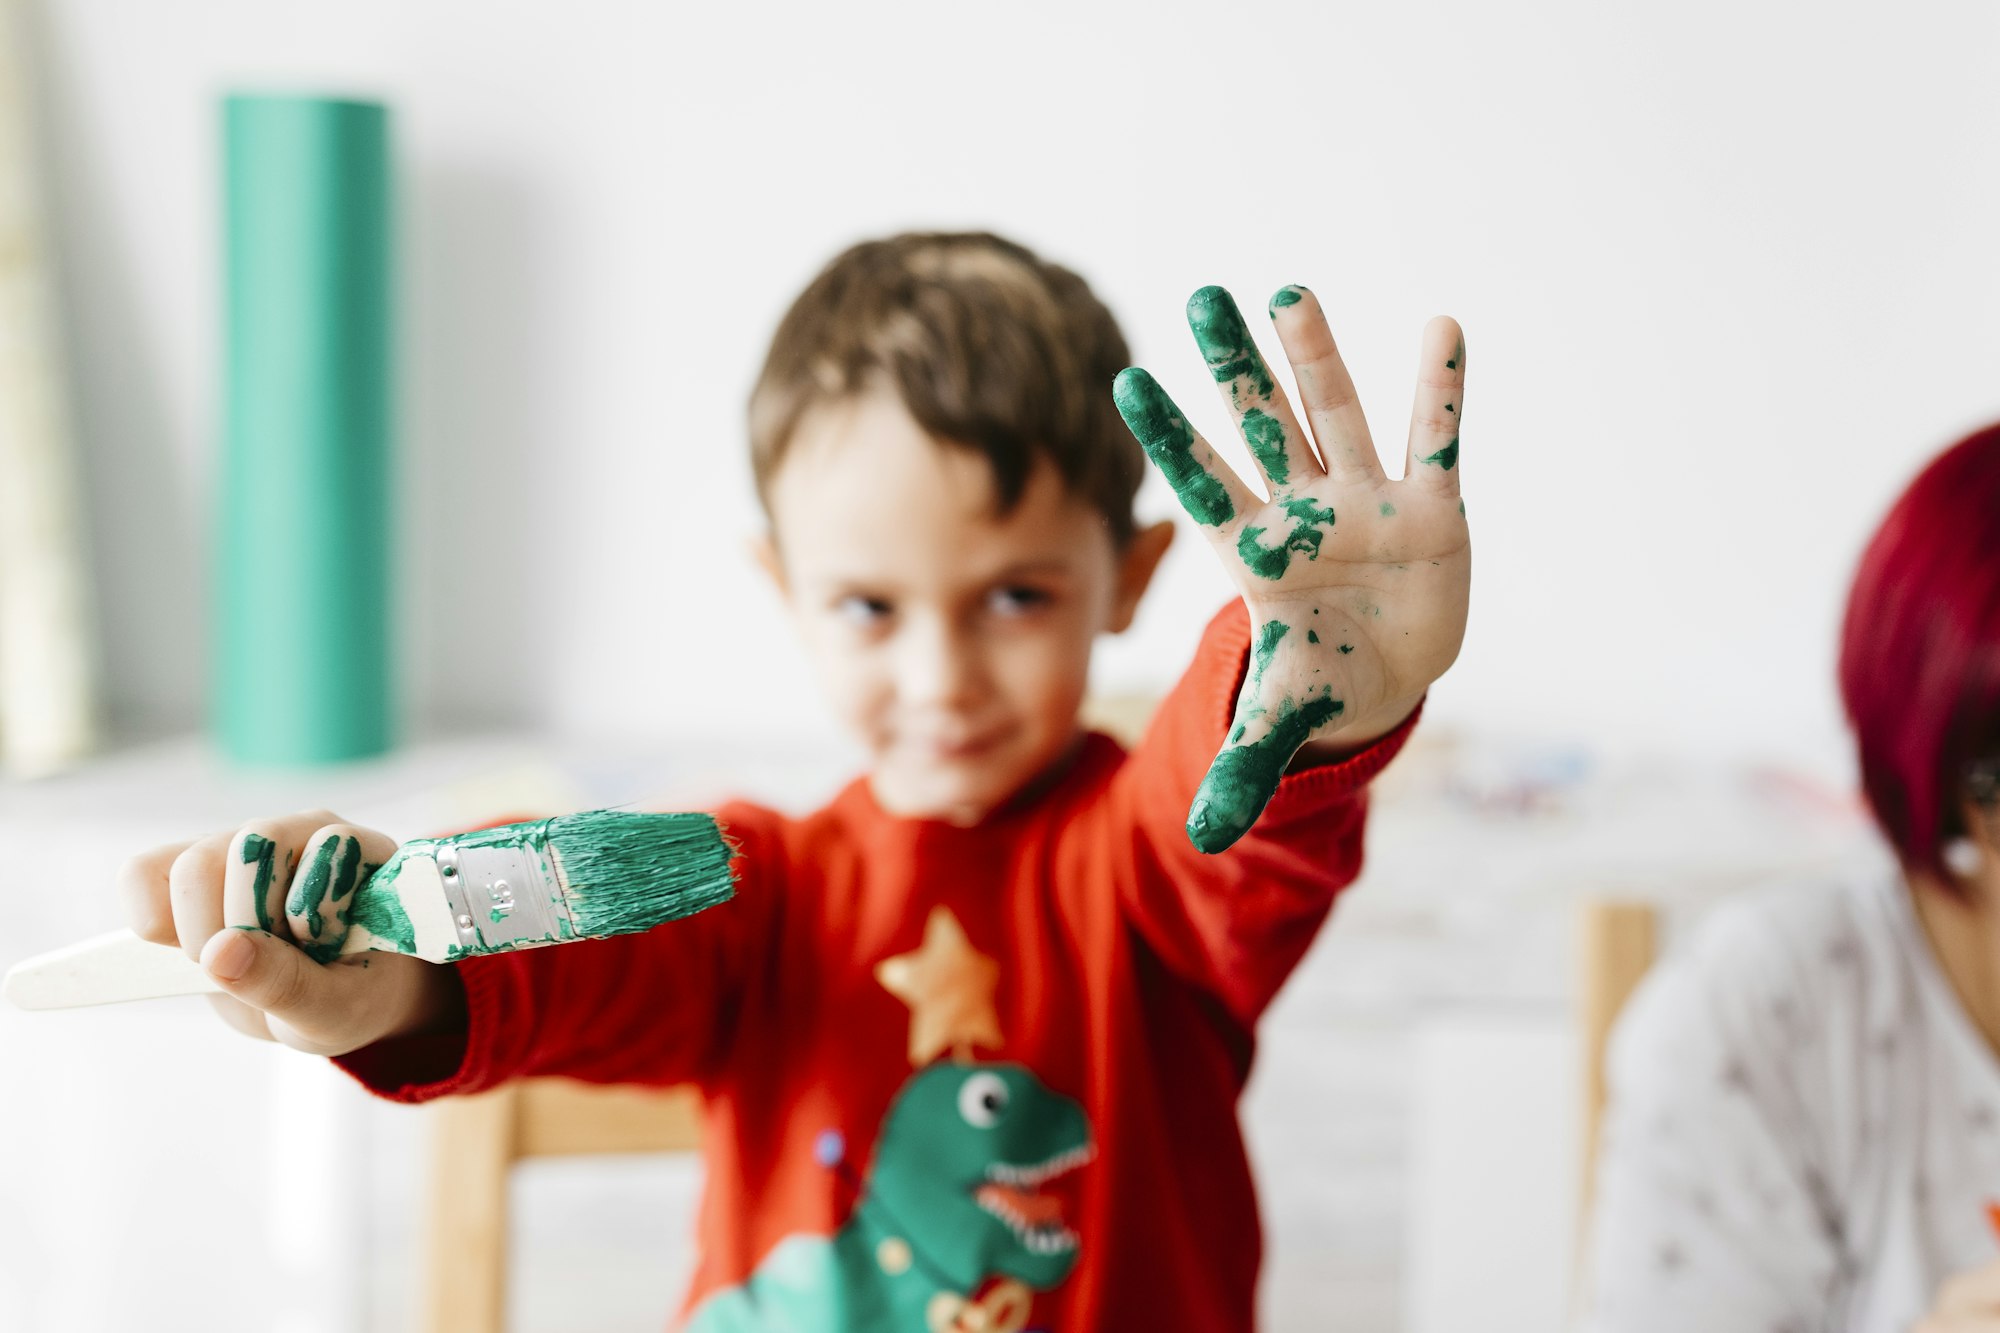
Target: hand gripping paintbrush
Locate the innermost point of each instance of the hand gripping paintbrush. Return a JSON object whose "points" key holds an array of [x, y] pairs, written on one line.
{"points": [[519, 886]]}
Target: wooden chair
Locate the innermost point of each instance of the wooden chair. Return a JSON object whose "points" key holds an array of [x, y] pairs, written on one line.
{"points": [[478, 1141], [1616, 944]]}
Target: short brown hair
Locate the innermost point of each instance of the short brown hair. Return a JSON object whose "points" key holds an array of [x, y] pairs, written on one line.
{"points": [[989, 347]]}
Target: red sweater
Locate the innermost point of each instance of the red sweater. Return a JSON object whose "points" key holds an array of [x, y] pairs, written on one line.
{"points": [[1099, 964]]}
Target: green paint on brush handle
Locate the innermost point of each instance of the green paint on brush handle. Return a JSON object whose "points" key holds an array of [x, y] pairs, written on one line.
{"points": [[381, 914], [1225, 340], [303, 663], [1243, 778], [1169, 441]]}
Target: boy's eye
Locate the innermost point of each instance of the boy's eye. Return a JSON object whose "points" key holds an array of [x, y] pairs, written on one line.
{"points": [[860, 610], [1014, 600]]}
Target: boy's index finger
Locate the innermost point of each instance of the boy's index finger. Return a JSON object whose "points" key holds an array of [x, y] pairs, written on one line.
{"points": [[1279, 445], [1206, 486], [1325, 387]]}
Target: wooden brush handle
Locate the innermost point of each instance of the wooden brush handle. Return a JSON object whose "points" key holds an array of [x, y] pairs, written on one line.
{"points": [[106, 969]]}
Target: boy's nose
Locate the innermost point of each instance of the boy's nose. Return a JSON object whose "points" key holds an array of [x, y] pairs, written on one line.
{"points": [[938, 666]]}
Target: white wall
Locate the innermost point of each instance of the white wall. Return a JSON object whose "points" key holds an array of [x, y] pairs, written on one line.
{"points": [[1726, 271]]}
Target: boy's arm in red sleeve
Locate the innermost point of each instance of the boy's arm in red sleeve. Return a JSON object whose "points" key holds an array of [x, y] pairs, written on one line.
{"points": [[1238, 921], [653, 1007]]}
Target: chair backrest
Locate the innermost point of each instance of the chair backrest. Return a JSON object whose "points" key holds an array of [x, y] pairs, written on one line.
{"points": [[477, 1142], [1616, 944]]}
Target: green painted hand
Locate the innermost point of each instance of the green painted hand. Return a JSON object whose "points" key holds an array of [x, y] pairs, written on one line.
{"points": [[1356, 585]]}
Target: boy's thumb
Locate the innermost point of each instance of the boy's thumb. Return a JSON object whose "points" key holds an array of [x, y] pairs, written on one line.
{"points": [[266, 973]]}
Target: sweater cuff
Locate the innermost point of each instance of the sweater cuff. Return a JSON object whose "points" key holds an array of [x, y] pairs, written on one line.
{"points": [[438, 1064]]}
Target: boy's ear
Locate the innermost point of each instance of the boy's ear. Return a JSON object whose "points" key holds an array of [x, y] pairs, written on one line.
{"points": [[765, 552], [1136, 567]]}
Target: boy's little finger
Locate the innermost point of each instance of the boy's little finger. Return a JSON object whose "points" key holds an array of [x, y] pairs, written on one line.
{"points": [[1433, 457], [194, 888], [142, 889]]}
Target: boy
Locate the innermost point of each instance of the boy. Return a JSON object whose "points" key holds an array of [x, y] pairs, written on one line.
{"points": [[971, 1038]]}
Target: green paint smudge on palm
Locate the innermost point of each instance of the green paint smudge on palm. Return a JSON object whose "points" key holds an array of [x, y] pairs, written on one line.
{"points": [[1169, 441], [1270, 562], [1265, 435], [1446, 458], [263, 853], [1290, 294], [1225, 340], [1346, 647], [1243, 777], [1388, 510], [1269, 634], [1312, 636]]}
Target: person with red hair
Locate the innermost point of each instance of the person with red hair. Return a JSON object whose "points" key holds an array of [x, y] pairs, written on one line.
{"points": [[1804, 1125]]}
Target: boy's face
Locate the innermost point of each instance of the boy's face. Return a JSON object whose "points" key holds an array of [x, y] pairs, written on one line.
{"points": [[954, 641]]}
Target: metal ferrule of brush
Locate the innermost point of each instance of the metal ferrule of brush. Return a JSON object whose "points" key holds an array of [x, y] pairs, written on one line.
{"points": [[504, 897]]}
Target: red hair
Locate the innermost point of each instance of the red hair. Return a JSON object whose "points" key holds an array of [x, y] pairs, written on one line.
{"points": [[1920, 650]]}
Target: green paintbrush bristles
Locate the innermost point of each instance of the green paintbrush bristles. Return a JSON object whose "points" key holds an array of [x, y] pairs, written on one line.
{"points": [[627, 872], [545, 881]]}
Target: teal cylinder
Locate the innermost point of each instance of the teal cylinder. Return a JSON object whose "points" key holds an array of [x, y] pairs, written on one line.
{"points": [[304, 662]]}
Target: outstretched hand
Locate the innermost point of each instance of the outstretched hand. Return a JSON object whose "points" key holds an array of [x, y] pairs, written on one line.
{"points": [[1356, 585]]}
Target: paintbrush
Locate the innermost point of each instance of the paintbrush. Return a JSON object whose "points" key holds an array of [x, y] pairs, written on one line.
{"points": [[517, 886]]}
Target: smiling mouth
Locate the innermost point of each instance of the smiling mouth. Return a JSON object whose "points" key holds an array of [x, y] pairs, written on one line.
{"points": [[1014, 1195], [961, 749]]}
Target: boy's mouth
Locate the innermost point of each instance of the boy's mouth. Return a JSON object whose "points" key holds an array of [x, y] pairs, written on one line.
{"points": [[949, 749], [1014, 1194]]}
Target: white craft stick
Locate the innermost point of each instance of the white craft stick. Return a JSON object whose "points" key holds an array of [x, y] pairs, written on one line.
{"points": [[105, 970]]}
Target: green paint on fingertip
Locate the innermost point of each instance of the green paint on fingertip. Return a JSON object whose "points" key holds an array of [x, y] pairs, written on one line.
{"points": [[1446, 458], [348, 878], [1168, 440], [1243, 778], [1457, 356], [1265, 435], [263, 853], [1290, 294], [1225, 340], [310, 890]]}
